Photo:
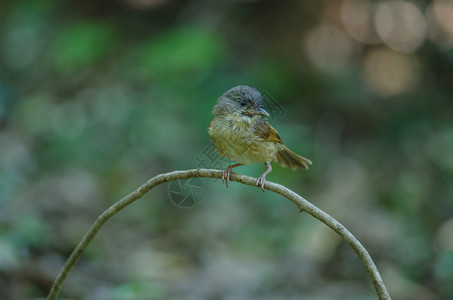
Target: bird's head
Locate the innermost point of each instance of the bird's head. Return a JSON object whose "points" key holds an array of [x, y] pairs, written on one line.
{"points": [[242, 100]]}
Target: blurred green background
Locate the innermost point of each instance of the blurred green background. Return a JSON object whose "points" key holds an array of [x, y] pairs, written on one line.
{"points": [[96, 97]]}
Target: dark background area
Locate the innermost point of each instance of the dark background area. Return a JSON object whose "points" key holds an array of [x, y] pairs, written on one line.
{"points": [[96, 97]]}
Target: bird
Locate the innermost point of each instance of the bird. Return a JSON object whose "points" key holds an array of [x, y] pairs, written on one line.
{"points": [[239, 132]]}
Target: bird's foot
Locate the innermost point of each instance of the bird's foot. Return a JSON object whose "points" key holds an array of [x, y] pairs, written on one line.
{"points": [[261, 181], [226, 175]]}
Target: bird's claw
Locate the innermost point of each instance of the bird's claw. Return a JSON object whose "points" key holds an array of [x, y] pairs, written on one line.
{"points": [[260, 182], [226, 176]]}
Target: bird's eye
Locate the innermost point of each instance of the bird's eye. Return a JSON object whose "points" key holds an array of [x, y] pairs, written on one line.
{"points": [[243, 103]]}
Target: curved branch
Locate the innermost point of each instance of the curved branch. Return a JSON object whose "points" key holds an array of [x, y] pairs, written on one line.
{"points": [[301, 203]]}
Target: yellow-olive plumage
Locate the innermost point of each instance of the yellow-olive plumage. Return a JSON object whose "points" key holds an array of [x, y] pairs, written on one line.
{"points": [[239, 133]]}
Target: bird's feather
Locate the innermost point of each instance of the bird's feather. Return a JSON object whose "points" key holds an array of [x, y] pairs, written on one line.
{"points": [[265, 131]]}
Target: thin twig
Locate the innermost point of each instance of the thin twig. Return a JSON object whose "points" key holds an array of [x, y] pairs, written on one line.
{"points": [[301, 203]]}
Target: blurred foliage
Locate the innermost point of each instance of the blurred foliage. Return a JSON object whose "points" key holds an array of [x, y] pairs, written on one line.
{"points": [[98, 96], [82, 45], [182, 51]]}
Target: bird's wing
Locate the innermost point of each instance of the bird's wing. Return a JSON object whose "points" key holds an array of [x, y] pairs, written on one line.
{"points": [[262, 129]]}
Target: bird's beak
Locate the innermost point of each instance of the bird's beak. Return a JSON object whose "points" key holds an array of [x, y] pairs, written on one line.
{"points": [[263, 112], [256, 112]]}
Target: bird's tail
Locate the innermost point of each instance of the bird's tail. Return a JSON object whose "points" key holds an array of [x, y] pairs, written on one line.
{"points": [[286, 157]]}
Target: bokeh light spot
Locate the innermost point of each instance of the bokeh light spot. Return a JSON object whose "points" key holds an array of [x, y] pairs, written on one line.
{"points": [[357, 19], [401, 25], [328, 48], [443, 14], [390, 73]]}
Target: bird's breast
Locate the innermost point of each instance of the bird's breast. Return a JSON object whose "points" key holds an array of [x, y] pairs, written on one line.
{"points": [[235, 138]]}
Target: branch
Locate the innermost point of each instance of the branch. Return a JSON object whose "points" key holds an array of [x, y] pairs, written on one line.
{"points": [[301, 203]]}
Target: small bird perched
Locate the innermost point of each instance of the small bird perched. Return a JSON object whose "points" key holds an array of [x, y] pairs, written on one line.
{"points": [[239, 133]]}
